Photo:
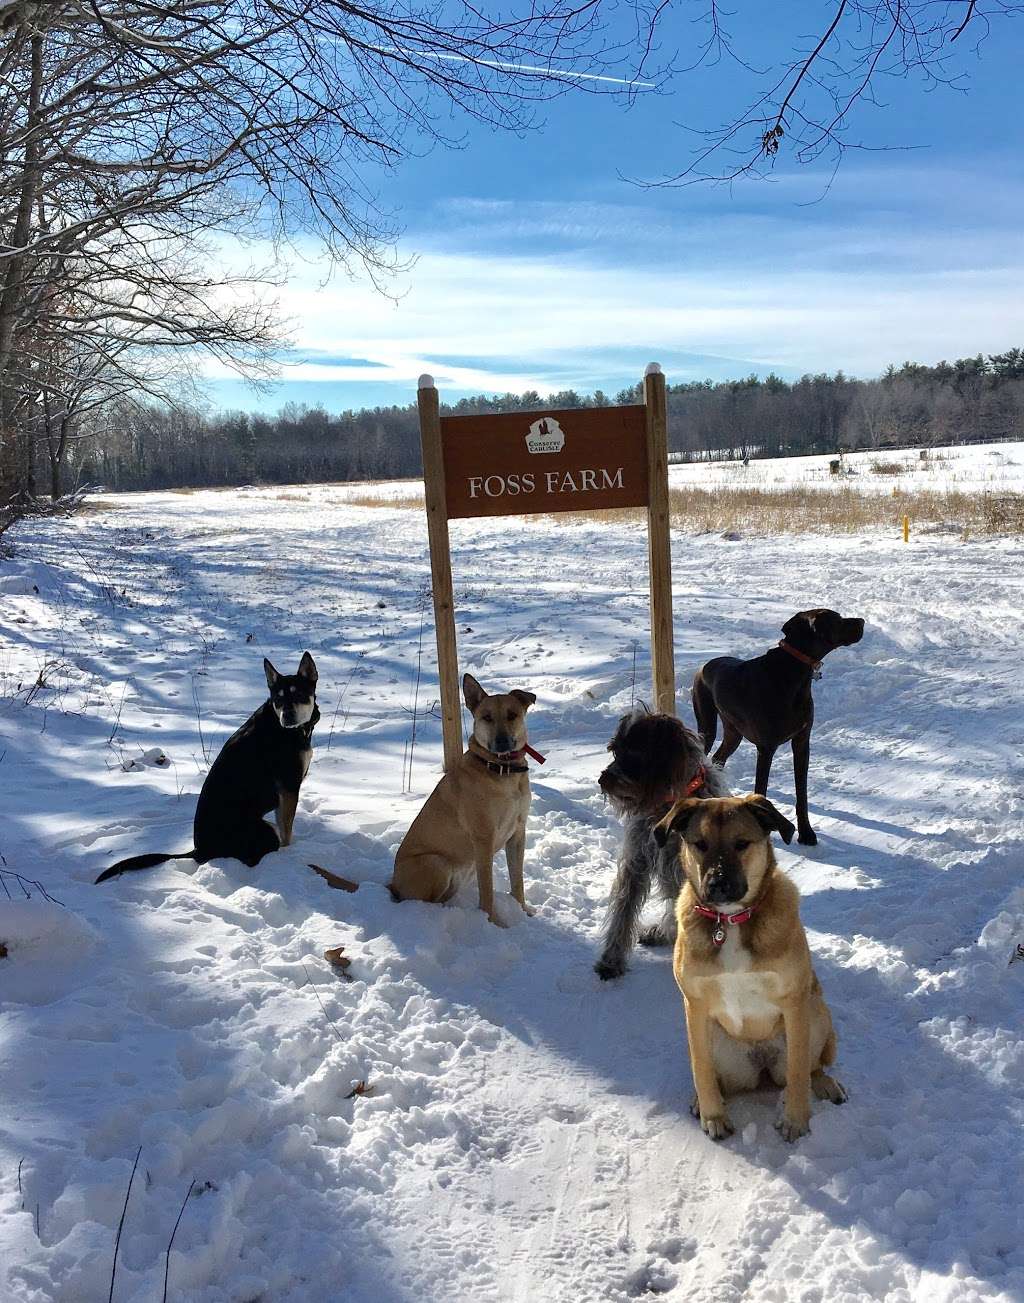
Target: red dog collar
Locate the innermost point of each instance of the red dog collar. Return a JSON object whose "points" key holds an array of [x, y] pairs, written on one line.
{"points": [[718, 935], [506, 762], [523, 751], [694, 785], [802, 656]]}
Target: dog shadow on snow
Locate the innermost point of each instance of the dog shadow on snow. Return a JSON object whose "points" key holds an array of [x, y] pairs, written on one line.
{"points": [[907, 1107]]}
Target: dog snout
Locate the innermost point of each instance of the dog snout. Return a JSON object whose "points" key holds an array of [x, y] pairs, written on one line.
{"points": [[724, 883], [854, 630], [503, 742]]}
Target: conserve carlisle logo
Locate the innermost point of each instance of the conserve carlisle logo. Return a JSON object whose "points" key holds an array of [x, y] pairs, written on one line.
{"points": [[546, 435]]}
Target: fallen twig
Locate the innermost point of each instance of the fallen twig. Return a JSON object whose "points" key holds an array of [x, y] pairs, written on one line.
{"points": [[24, 884], [199, 720], [120, 1224], [170, 1242], [333, 1025]]}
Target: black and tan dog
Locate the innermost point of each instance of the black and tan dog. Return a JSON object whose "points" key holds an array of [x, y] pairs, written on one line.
{"points": [[260, 768], [754, 1008], [655, 761], [768, 700], [479, 807]]}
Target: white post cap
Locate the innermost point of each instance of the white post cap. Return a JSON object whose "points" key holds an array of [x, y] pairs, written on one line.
{"points": [[652, 369], [425, 381]]}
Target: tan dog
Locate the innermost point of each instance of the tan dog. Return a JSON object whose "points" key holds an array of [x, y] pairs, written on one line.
{"points": [[753, 1004], [477, 808]]}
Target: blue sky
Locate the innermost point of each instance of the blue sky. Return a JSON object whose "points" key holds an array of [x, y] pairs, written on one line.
{"points": [[538, 266]]}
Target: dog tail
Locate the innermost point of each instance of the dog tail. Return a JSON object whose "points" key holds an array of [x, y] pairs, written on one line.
{"points": [[142, 862], [704, 709]]}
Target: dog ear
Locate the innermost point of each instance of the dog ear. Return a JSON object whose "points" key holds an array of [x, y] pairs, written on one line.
{"points": [[621, 729], [307, 667], [799, 623], [271, 673], [526, 699], [770, 818], [472, 692], [677, 818]]}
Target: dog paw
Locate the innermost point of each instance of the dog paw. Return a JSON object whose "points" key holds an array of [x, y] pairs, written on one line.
{"points": [[655, 936], [606, 969], [826, 1087], [717, 1127], [528, 910], [695, 1105], [791, 1129], [807, 837]]}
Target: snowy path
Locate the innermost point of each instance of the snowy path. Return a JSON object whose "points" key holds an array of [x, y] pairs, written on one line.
{"points": [[527, 1135]]}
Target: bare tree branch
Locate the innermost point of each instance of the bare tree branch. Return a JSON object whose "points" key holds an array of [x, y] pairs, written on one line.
{"points": [[804, 106]]}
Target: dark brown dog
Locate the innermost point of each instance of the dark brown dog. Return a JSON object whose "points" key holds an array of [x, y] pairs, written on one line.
{"points": [[768, 700]]}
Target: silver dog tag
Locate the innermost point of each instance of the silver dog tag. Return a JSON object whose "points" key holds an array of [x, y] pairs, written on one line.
{"points": [[718, 936]]}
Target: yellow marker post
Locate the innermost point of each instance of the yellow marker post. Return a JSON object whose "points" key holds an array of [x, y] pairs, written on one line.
{"points": [[906, 529]]}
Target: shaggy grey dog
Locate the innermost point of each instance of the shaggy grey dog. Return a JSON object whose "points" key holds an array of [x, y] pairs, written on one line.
{"points": [[657, 760]]}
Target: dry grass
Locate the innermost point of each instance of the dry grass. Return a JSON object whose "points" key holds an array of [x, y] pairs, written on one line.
{"points": [[802, 510], [366, 500], [890, 468], [95, 506], [814, 511]]}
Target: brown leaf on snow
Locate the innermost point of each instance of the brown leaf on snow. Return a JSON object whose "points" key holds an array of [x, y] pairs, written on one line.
{"points": [[336, 955], [333, 880], [359, 1088]]}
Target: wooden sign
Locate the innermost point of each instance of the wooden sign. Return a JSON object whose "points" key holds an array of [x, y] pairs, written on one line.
{"points": [[521, 463], [516, 464]]}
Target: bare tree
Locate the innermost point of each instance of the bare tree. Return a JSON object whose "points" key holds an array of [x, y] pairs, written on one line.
{"points": [[803, 105], [143, 142]]}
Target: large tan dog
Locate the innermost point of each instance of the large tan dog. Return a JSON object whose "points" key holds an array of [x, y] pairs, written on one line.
{"points": [[477, 808], [753, 1003]]}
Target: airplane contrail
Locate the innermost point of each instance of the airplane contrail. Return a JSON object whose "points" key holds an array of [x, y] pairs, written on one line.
{"points": [[520, 67]]}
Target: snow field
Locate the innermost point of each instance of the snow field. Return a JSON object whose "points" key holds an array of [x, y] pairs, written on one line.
{"points": [[525, 1134], [971, 468]]}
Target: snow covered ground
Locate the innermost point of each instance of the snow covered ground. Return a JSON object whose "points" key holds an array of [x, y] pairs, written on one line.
{"points": [[525, 1133], [977, 468]]}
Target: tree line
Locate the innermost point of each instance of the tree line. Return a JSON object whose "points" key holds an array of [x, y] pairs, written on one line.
{"points": [[150, 446]]}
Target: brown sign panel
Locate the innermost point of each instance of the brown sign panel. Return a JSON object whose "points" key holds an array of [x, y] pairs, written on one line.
{"points": [[521, 463]]}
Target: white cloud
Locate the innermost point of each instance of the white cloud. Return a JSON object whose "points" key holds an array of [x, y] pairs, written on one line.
{"points": [[541, 292]]}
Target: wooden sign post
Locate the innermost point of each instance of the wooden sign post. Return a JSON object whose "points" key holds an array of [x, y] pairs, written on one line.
{"points": [[524, 463]]}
